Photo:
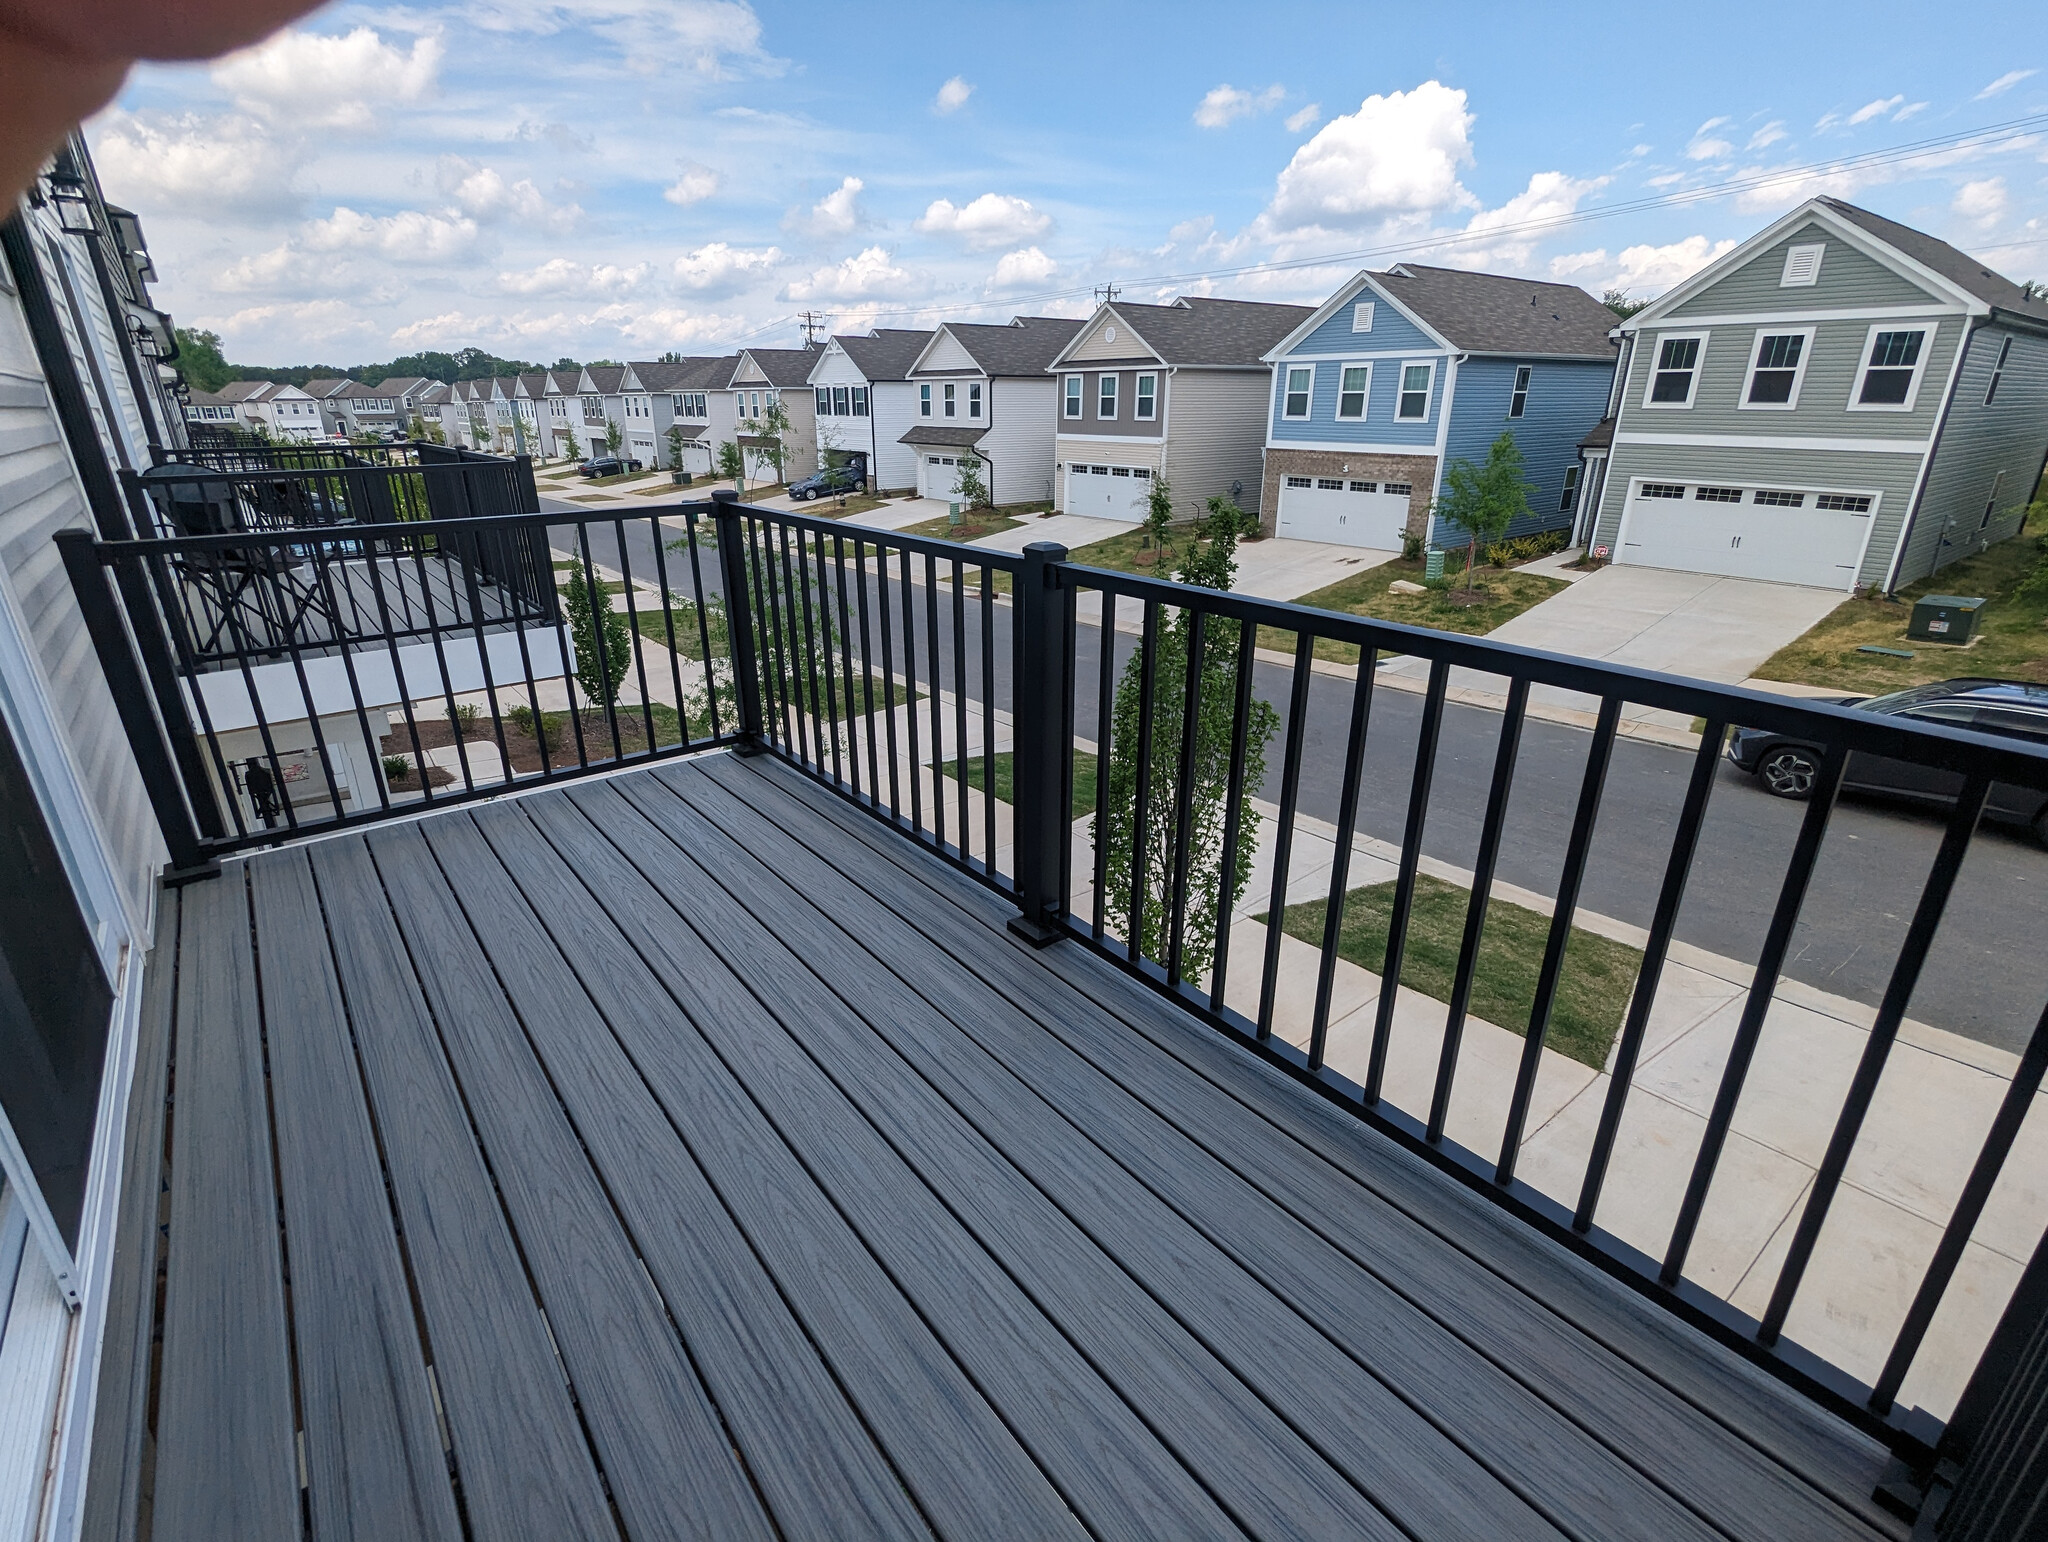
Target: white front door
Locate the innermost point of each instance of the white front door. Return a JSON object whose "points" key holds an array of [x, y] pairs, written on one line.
{"points": [[1345, 511], [1784, 535], [1108, 492]]}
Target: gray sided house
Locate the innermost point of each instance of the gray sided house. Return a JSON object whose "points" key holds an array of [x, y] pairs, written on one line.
{"points": [[1401, 373], [1841, 402], [1175, 390], [761, 378], [865, 402], [678, 390], [983, 395]]}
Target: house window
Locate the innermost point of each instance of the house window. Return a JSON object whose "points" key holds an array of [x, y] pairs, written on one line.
{"points": [[1892, 361], [1105, 396], [1330, 484], [924, 401], [1998, 372], [1774, 498], [1299, 482], [1352, 383], [1518, 400], [860, 401], [1073, 398], [1991, 503], [1361, 316], [952, 404], [1842, 503], [1663, 490], [1571, 490], [1677, 371], [1397, 489], [1147, 408], [1365, 487], [974, 399], [839, 402], [1119, 471], [1717, 494], [1300, 383], [1142, 473], [1415, 383], [1776, 369], [824, 401], [1802, 267]]}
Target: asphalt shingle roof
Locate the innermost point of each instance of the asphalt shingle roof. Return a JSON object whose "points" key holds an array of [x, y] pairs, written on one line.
{"points": [[885, 354], [606, 377], [1491, 313], [1958, 267], [935, 433], [785, 366], [325, 387], [675, 374], [1025, 346], [1201, 330]]}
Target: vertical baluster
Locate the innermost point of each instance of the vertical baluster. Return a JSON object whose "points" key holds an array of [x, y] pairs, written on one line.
{"points": [[887, 631], [960, 714], [909, 604], [1141, 808], [1233, 809], [1195, 622], [821, 595], [1404, 880], [483, 655], [988, 718], [1283, 833], [639, 643], [1340, 864], [668, 629], [1104, 699], [936, 664], [867, 674], [607, 690], [712, 712]]}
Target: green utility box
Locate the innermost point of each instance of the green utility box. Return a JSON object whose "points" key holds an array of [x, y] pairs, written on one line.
{"points": [[1433, 565], [1944, 618]]}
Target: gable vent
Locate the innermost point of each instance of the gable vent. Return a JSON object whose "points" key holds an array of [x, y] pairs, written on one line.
{"points": [[1802, 266], [1361, 316]]}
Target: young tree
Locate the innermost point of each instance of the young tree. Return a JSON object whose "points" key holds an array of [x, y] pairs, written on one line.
{"points": [[1159, 512], [773, 426], [613, 435], [675, 447], [1210, 561], [568, 438], [974, 492], [732, 465], [591, 616], [1485, 500]]}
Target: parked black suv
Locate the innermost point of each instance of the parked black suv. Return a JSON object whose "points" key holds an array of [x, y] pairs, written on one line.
{"points": [[607, 466], [1787, 766], [829, 483]]}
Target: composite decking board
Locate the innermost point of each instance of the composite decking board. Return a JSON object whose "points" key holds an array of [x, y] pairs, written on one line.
{"points": [[1816, 1447], [1590, 1488], [373, 1459], [225, 1461], [824, 1175], [666, 1454], [121, 1408], [947, 1442], [816, 1464], [1667, 1439], [1273, 1479], [524, 1466]]}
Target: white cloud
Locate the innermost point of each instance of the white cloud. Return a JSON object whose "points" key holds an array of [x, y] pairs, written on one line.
{"points": [[317, 80], [1911, 109], [316, 321], [1767, 136], [992, 220], [1397, 155], [559, 275], [1026, 266], [1983, 201], [2004, 83], [1550, 196], [1876, 109], [483, 193], [1305, 118], [696, 184], [191, 164], [1642, 271], [411, 235], [1226, 104], [1704, 146], [869, 272], [952, 96], [715, 39], [719, 266], [838, 213]]}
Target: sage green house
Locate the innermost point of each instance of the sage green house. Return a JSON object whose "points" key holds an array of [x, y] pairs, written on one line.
{"points": [[1841, 401]]}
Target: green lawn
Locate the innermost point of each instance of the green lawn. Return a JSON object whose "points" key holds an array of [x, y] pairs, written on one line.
{"points": [[1508, 592], [1132, 552], [625, 476], [828, 508], [1006, 778], [2013, 626], [689, 642], [974, 524], [1592, 993]]}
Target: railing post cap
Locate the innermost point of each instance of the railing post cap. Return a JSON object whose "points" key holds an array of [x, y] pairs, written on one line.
{"points": [[724, 495], [1050, 551]]}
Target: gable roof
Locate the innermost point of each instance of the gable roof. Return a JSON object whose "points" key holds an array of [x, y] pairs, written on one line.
{"points": [[404, 385], [1026, 345], [672, 374], [783, 366], [534, 382], [887, 353], [1199, 329], [1958, 267], [246, 390], [325, 387], [605, 379], [1493, 313]]}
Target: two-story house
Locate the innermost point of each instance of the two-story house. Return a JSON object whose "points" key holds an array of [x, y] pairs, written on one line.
{"points": [[1398, 374], [1841, 401], [1175, 390], [865, 401], [679, 390], [599, 386], [762, 377], [983, 394], [284, 411]]}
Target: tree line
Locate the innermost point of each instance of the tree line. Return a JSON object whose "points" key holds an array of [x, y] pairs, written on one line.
{"points": [[206, 368]]}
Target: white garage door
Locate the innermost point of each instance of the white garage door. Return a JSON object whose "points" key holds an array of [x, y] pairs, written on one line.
{"points": [[1343, 511], [938, 476], [1108, 492], [1785, 535]]}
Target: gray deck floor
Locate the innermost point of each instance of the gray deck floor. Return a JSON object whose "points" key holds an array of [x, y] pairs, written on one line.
{"points": [[685, 1155]]}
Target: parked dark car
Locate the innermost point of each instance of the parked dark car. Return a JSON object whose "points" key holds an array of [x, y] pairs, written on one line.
{"points": [[607, 466], [829, 483], [1787, 766]]}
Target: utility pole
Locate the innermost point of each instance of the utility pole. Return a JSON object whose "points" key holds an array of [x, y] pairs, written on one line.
{"points": [[1106, 294], [813, 324]]}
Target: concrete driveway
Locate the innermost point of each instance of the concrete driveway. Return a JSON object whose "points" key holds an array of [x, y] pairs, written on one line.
{"points": [[1276, 569]]}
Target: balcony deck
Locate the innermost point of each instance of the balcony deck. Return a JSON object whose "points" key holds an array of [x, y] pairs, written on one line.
{"points": [[685, 1154]]}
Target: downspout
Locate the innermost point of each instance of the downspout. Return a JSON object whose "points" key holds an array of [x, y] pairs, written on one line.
{"points": [[986, 459], [1948, 402]]}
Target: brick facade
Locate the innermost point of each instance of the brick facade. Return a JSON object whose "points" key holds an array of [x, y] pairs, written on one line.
{"points": [[1419, 471]]}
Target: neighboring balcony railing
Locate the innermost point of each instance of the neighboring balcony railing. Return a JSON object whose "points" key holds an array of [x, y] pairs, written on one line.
{"points": [[1126, 758]]}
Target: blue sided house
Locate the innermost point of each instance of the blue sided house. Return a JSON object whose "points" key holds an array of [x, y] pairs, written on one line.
{"points": [[1400, 373]]}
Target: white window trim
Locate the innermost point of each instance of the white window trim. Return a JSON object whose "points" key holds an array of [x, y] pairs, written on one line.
{"points": [[1933, 329], [1699, 368], [924, 400], [949, 399], [1428, 394], [1287, 390], [974, 397], [1756, 348], [1366, 365], [1361, 315], [1074, 397], [1138, 414], [1112, 380], [1517, 387]]}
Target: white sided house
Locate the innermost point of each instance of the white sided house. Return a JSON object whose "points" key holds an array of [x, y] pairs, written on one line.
{"points": [[983, 395], [1175, 390], [1841, 401], [865, 402]]}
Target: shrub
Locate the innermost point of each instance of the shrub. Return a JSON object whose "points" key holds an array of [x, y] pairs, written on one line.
{"points": [[462, 718], [1524, 548], [396, 768], [591, 616]]}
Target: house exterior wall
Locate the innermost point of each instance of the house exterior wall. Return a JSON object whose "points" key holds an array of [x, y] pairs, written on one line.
{"points": [[1018, 444], [1565, 400], [1379, 428], [1096, 345], [1989, 456], [1213, 438], [1126, 424], [1848, 277], [944, 353], [1073, 450]]}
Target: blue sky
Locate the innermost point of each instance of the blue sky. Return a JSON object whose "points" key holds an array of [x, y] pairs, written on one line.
{"points": [[621, 177]]}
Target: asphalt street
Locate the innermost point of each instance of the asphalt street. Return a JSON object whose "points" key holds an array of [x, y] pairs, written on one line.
{"points": [[1986, 977]]}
